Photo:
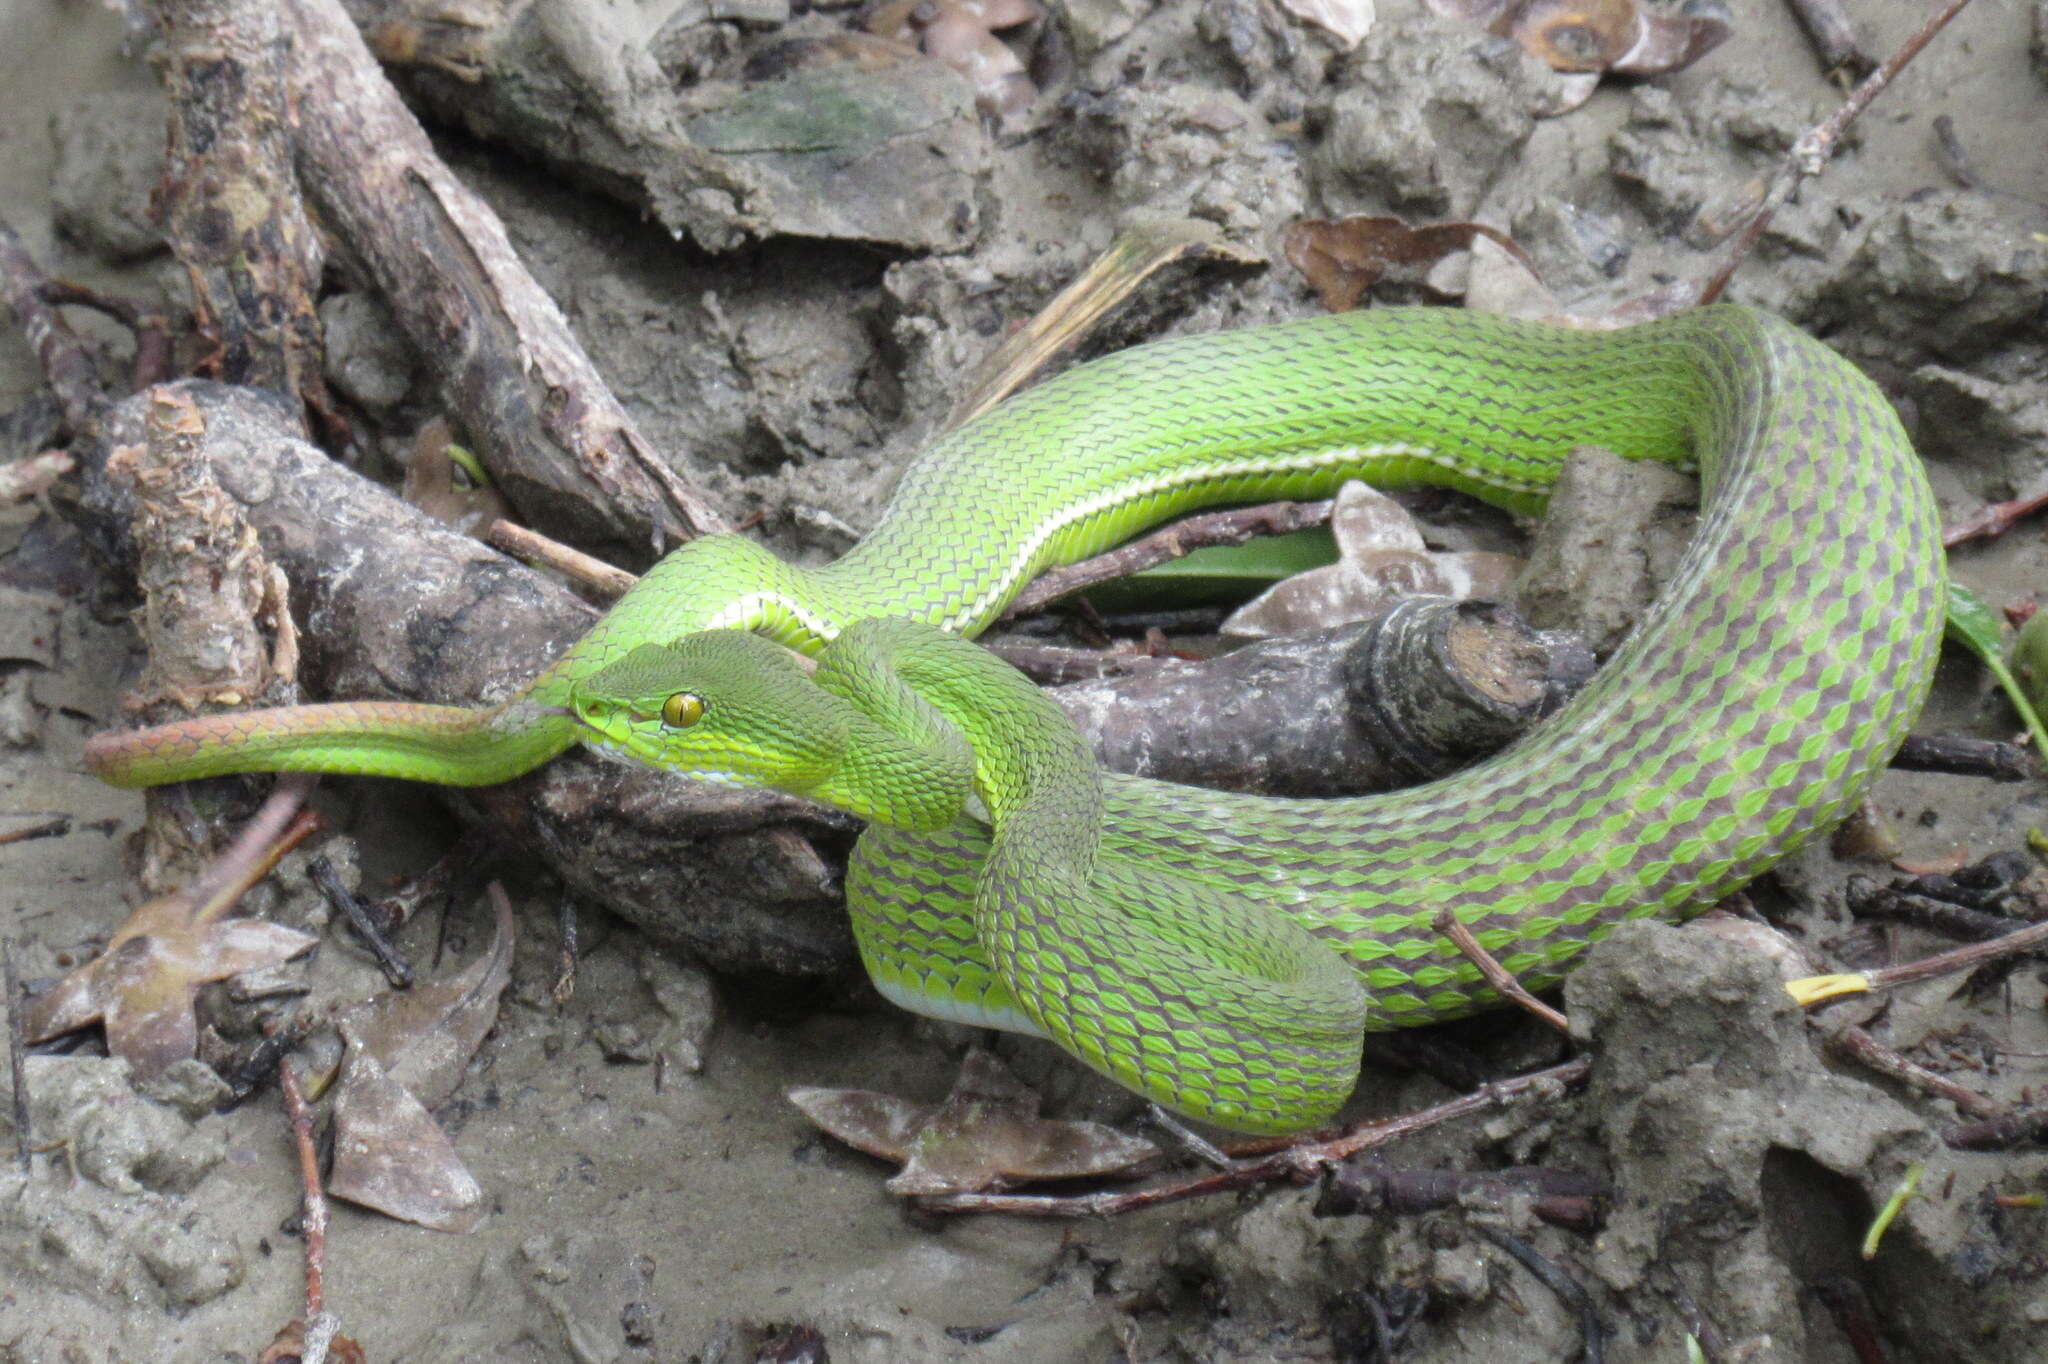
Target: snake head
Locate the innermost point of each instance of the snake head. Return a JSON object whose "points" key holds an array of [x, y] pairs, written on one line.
{"points": [[720, 704]]}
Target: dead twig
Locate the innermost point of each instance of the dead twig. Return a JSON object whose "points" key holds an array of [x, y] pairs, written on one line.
{"points": [[49, 828], [67, 366], [535, 548], [17, 1069], [1999, 1134], [314, 1338], [1553, 1277], [1858, 1045], [1172, 542], [1299, 1162], [152, 363], [278, 826], [1992, 759], [1992, 520], [314, 1201], [1834, 38], [363, 920], [1497, 975], [1811, 152], [2028, 939], [1819, 989]]}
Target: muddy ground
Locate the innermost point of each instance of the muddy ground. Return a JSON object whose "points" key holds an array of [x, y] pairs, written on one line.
{"points": [[653, 1213]]}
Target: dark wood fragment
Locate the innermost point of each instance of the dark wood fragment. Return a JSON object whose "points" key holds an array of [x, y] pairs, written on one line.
{"points": [[1355, 1189], [1963, 757], [1833, 33], [2024, 1128], [1856, 1044], [1867, 899]]}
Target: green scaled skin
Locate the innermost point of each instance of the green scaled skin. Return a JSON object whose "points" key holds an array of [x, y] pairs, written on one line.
{"points": [[1754, 705], [1198, 997]]}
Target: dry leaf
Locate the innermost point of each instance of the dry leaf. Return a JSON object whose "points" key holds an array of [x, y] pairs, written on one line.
{"points": [[1381, 560], [986, 1135], [423, 1037], [1594, 35], [143, 985], [1504, 284], [432, 483], [1345, 257], [390, 1154], [1349, 20]]}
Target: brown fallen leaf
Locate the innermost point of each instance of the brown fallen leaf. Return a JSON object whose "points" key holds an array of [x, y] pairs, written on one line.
{"points": [[986, 1135], [1381, 560], [439, 481], [390, 1154], [962, 34], [1344, 257], [142, 986], [1594, 35], [424, 1037]]}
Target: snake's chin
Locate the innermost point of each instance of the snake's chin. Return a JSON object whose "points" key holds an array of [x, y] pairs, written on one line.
{"points": [[619, 753]]}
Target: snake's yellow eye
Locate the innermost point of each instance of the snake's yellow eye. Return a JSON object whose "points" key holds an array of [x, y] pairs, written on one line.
{"points": [[682, 710]]}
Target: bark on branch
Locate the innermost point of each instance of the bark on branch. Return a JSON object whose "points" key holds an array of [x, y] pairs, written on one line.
{"points": [[559, 444]]}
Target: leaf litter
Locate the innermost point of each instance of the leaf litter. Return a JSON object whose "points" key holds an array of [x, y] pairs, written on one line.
{"points": [[406, 1052], [143, 987], [986, 1135]]}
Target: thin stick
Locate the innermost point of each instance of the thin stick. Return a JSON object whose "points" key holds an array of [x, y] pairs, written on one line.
{"points": [[270, 833], [17, 1068], [1819, 989], [390, 960], [1811, 152], [1998, 1134], [1960, 757], [67, 366], [49, 828], [1858, 1045], [535, 548], [315, 1216], [1991, 520], [1958, 959], [1497, 975], [1172, 542], [1299, 1163], [1553, 1277]]}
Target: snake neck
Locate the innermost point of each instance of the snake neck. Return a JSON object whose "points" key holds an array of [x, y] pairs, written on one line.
{"points": [[1034, 774]]}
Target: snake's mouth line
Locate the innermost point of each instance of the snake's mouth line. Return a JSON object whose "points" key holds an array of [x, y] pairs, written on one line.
{"points": [[612, 748]]}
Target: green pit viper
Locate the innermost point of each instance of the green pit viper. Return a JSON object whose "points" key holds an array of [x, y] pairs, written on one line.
{"points": [[1134, 922]]}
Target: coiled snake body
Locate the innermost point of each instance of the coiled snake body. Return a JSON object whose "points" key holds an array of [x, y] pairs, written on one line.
{"points": [[1751, 708]]}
